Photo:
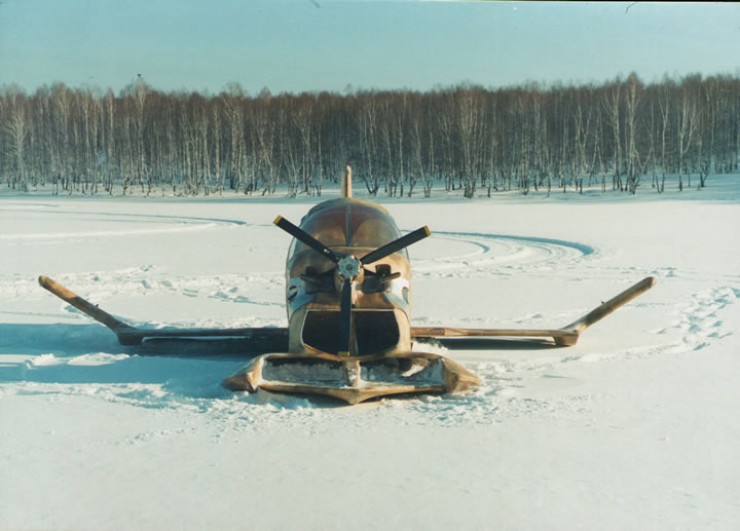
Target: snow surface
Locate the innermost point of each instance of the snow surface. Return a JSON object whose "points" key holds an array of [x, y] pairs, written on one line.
{"points": [[636, 427]]}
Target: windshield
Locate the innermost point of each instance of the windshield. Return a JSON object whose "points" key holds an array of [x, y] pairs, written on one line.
{"points": [[348, 223]]}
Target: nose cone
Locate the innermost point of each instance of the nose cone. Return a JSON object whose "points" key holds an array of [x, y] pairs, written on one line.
{"points": [[349, 267]]}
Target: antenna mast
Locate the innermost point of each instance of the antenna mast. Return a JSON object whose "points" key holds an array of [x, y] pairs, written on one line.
{"points": [[347, 182]]}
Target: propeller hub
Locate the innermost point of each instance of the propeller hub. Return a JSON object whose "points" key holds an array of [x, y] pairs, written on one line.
{"points": [[349, 267]]}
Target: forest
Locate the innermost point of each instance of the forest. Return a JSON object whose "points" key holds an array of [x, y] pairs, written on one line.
{"points": [[618, 136]]}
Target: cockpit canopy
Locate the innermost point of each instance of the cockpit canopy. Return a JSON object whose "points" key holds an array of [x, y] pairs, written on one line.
{"points": [[347, 223]]}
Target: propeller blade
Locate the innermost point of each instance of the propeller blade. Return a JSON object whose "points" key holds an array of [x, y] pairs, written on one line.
{"points": [[345, 319], [396, 245], [302, 236]]}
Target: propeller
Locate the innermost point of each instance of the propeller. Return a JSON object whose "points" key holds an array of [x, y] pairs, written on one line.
{"points": [[396, 245], [345, 318], [348, 268], [304, 237]]}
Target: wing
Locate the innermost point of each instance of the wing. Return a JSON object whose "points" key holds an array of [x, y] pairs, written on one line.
{"points": [[272, 338], [562, 337]]}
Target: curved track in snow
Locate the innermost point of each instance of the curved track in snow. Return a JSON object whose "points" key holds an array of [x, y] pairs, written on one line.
{"points": [[476, 253], [89, 225]]}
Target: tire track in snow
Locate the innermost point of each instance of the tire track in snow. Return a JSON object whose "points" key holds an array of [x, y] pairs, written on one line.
{"points": [[146, 280], [501, 254], [183, 224], [135, 281]]}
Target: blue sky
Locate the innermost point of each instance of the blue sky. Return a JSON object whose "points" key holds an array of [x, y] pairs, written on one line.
{"points": [[310, 45]]}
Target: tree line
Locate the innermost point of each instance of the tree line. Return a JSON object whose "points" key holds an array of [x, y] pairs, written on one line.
{"points": [[618, 135]]}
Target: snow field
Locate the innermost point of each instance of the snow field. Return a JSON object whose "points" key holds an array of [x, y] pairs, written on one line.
{"points": [[635, 427]]}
